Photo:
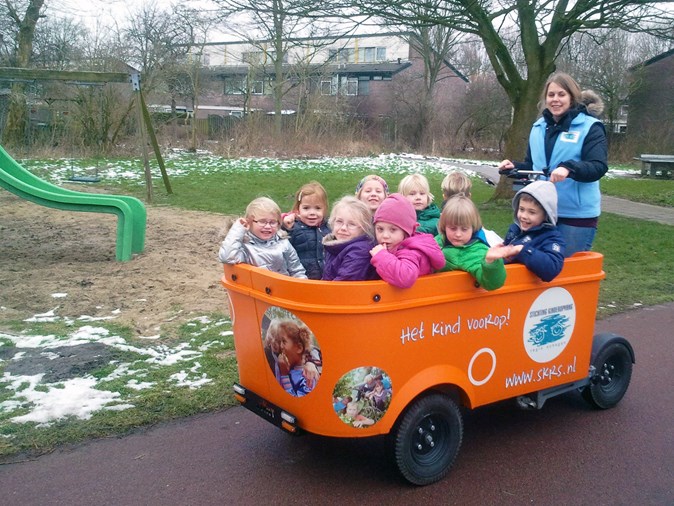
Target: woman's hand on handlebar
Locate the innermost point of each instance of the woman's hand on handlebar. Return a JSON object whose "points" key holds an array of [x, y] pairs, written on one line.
{"points": [[506, 165], [559, 174]]}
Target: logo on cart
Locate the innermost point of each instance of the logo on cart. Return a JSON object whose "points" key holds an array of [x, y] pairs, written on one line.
{"points": [[549, 324]]}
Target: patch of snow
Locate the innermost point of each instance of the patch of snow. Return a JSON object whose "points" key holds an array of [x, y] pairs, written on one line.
{"points": [[59, 295], [87, 318], [49, 316], [137, 385], [76, 397]]}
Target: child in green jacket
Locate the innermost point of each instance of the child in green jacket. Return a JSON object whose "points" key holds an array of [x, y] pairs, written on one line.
{"points": [[465, 249]]}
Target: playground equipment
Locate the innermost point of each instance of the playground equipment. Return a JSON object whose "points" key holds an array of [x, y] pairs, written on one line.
{"points": [[131, 214], [383, 360]]}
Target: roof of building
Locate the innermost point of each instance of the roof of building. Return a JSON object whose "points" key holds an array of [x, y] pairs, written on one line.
{"points": [[383, 68], [655, 59]]}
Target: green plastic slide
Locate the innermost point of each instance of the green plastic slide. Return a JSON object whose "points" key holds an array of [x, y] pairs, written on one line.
{"points": [[131, 214]]}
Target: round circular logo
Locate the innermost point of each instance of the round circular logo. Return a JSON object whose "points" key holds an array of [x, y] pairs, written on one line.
{"points": [[549, 324]]}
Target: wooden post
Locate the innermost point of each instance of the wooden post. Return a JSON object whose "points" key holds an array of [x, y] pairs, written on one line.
{"points": [[135, 82], [155, 144]]}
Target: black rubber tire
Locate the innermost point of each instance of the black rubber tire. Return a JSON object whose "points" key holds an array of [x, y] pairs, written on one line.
{"points": [[613, 372], [427, 439]]}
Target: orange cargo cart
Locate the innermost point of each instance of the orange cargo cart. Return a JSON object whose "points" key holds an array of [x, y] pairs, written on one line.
{"points": [[358, 359]]}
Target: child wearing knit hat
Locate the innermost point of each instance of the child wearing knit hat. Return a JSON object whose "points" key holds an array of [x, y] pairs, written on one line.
{"points": [[402, 254]]}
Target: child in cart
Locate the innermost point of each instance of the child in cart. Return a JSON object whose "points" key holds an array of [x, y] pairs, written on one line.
{"points": [[372, 190], [402, 254], [255, 240], [456, 183], [465, 249], [306, 225], [540, 245], [347, 247], [416, 189]]}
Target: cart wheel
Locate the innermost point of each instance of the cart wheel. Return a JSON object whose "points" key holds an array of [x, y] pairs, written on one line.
{"points": [[613, 371], [427, 439]]}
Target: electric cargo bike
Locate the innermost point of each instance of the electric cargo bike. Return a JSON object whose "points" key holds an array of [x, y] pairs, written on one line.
{"points": [[360, 359]]}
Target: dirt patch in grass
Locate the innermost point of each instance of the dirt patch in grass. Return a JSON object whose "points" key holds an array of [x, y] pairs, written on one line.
{"points": [[47, 251]]}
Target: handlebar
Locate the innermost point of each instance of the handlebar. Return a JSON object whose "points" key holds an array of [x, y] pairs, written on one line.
{"points": [[521, 177]]}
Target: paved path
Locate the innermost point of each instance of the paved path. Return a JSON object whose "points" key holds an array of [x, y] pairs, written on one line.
{"points": [[631, 209]]}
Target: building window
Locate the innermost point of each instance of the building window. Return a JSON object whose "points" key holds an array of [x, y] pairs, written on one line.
{"points": [[352, 87], [235, 86], [252, 57], [257, 87], [343, 55], [364, 85], [271, 57], [239, 86], [363, 55], [366, 55], [329, 87]]}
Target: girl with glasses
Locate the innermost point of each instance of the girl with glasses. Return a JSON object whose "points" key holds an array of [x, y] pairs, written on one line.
{"points": [[255, 239], [347, 247]]}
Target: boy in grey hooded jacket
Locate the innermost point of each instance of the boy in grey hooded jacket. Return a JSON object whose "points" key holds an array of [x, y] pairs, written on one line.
{"points": [[539, 244]]}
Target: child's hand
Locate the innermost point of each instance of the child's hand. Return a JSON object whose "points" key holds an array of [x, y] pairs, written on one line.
{"points": [[376, 249], [283, 365], [512, 251], [502, 251], [244, 222], [310, 374], [289, 221]]}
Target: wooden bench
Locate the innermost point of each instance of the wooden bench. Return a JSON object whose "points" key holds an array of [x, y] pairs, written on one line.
{"points": [[656, 165]]}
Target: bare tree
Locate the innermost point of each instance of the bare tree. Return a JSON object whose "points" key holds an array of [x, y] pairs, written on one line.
{"points": [[58, 43], [275, 27], [601, 60], [435, 46], [155, 39], [24, 17]]}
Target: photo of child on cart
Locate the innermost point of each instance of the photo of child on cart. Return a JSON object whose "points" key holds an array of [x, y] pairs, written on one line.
{"points": [[291, 350]]}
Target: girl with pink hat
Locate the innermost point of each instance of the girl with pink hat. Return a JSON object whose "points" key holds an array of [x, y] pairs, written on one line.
{"points": [[402, 254]]}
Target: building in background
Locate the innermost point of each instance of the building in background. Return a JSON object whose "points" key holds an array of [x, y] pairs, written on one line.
{"points": [[369, 76], [651, 105]]}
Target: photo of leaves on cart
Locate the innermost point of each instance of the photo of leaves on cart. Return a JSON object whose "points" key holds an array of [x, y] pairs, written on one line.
{"points": [[362, 396]]}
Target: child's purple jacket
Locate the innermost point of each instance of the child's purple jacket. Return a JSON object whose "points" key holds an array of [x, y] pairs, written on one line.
{"points": [[348, 260], [416, 256]]}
